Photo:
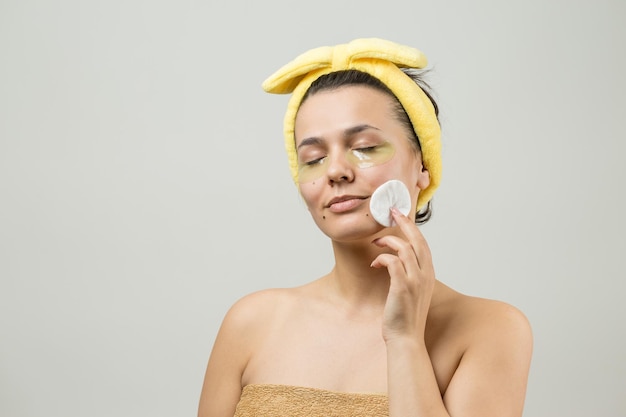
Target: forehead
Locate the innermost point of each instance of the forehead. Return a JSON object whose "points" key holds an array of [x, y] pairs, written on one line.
{"points": [[344, 107]]}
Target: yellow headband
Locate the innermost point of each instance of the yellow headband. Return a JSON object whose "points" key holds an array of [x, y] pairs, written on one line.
{"points": [[381, 59]]}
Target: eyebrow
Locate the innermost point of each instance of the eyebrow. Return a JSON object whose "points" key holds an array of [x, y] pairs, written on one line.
{"points": [[346, 134]]}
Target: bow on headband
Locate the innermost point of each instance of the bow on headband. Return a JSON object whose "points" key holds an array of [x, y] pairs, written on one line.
{"points": [[381, 59]]}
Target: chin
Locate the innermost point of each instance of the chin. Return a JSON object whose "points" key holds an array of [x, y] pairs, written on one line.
{"points": [[349, 229]]}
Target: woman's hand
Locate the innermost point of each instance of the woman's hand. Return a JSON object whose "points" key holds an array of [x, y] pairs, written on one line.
{"points": [[412, 280]]}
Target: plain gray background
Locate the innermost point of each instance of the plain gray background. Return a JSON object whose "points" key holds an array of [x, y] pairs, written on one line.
{"points": [[144, 186]]}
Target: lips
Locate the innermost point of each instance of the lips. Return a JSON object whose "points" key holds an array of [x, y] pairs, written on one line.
{"points": [[343, 198], [345, 203]]}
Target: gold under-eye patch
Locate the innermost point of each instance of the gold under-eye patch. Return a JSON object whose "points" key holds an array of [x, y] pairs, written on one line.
{"points": [[314, 167]]}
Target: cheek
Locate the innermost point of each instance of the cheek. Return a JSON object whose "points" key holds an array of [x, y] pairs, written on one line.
{"points": [[399, 168], [310, 192]]}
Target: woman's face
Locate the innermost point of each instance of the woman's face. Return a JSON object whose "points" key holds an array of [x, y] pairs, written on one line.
{"points": [[349, 142]]}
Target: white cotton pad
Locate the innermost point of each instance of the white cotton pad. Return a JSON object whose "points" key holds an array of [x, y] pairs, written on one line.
{"points": [[393, 193]]}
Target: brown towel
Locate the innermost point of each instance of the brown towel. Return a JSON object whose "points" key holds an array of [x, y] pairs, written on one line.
{"points": [[264, 400]]}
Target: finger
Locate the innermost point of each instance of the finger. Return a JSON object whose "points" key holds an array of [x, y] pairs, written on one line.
{"points": [[404, 250], [415, 236], [394, 265]]}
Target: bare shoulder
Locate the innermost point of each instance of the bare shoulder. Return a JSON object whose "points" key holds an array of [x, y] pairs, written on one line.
{"points": [[494, 341], [253, 312], [240, 332], [498, 322], [481, 351], [482, 318]]}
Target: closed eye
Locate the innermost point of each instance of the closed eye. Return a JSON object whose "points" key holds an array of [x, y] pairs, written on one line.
{"points": [[315, 161], [367, 149]]}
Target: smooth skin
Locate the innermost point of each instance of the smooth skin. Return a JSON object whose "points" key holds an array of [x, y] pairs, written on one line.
{"points": [[379, 322]]}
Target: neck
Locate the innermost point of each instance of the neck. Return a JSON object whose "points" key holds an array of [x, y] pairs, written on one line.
{"points": [[353, 280]]}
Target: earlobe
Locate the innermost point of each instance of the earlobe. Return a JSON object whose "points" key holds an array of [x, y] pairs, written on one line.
{"points": [[423, 178]]}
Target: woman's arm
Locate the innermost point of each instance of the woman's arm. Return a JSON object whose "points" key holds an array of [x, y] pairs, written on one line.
{"points": [[492, 376], [222, 382], [490, 379]]}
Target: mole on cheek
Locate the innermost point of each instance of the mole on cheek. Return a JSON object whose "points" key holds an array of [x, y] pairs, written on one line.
{"points": [[324, 217]]}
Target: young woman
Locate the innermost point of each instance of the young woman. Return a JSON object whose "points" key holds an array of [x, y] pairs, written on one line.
{"points": [[378, 335]]}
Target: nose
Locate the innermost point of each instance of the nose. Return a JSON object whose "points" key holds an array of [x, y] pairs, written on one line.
{"points": [[339, 169]]}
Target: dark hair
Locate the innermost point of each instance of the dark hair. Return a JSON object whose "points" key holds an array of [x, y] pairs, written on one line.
{"points": [[343, 78]]}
